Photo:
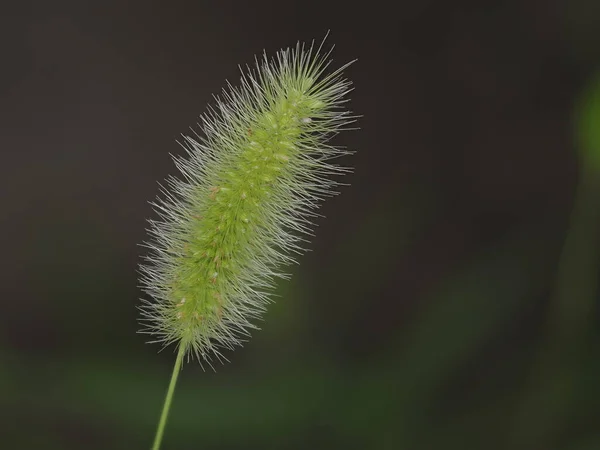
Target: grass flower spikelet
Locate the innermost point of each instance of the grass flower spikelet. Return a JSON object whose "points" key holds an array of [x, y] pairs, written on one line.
{"points": [[244, 202]]}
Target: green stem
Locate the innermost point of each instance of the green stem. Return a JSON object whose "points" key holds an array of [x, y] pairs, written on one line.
{"points": [[167, 405]]}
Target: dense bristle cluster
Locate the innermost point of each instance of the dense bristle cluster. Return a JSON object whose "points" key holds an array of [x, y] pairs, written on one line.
{"points": [[249, 189]]}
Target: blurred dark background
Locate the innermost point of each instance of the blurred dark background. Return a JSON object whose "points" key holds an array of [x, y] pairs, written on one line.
{"points": [[430, 313]]}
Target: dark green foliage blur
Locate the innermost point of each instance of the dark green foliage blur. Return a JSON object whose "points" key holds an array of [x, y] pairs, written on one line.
{"points": [[450, 297]]}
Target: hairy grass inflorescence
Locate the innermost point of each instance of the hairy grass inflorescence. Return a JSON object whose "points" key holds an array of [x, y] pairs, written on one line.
{"points": [[248, 191]]}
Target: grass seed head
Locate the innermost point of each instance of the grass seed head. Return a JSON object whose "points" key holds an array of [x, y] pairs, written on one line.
{"points": [[244, 202]]}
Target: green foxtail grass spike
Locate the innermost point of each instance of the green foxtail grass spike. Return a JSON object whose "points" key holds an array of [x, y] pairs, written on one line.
{"points": [[245, 201]]}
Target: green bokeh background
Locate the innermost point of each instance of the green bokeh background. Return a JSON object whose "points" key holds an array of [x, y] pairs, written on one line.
{"points": [[449, 299]]}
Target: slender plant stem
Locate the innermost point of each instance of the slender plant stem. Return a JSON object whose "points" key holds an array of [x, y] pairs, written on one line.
{"points": [[167, 405]]}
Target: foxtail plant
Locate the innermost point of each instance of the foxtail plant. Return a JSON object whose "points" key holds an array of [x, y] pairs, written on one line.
{"points": [[244, 203]]}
